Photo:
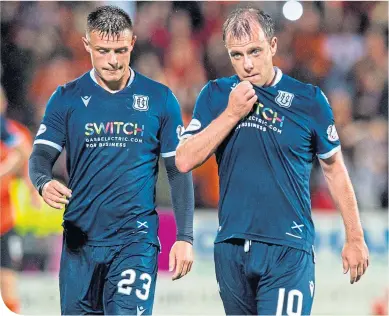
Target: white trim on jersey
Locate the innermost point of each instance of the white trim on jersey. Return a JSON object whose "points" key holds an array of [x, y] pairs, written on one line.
{"points": [[330, 153], [185, 136], [169, 154], [132, 76], [278, 76], [49, 143]]}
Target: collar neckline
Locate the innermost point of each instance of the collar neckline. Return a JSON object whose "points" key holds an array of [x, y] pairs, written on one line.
{"points": [[277, 77], [92, 74]]}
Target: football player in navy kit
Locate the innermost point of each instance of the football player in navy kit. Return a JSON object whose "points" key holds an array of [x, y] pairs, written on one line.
{"points": [[114, 123], [266, 129]]}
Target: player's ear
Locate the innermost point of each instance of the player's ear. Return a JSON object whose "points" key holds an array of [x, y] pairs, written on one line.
{"points": [[273, 45], [133, 41], [86, 44]]}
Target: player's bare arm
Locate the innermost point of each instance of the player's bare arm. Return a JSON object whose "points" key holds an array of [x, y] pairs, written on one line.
{"points": [[195, 150], [355, 254]]}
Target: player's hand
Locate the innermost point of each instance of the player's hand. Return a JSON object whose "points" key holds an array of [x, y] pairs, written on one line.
{"points": [[181, 258], [56, 194], [355, 256], [241, 100]]}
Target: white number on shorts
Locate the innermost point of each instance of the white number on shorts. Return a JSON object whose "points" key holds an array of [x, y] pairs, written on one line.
{"points": [[146, 286], [124, 285], [289, 307], [125, 288]]}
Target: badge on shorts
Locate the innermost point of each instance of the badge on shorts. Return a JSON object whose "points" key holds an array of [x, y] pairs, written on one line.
{"points": [[141, 102], [284, 99]]}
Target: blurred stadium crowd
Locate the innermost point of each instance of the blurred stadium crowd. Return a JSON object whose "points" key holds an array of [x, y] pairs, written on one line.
{"points": [[340, 46]]}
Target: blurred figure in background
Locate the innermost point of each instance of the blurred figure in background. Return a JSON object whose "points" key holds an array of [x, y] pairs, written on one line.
{"points": [[311, 63], [150, 65], [381, 304], [14, 152]]}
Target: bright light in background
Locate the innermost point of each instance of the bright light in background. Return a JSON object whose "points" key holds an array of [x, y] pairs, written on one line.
{"points": [[292, 10]]}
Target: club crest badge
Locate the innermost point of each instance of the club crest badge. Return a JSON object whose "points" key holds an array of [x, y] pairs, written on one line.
{"points": [[284, 99], [141, 102]]}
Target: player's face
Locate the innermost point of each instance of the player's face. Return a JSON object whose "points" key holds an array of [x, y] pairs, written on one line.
{"points": [[252, 57], [110, 55]]}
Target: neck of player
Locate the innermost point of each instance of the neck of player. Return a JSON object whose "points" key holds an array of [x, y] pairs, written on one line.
{"points": [[114, 86], [272, 77]]}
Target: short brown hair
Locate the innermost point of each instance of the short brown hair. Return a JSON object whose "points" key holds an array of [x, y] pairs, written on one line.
{"points": [[238, 23]]}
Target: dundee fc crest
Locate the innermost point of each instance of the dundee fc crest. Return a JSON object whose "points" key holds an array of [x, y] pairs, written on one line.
{"points": [[141, 102], [284, 99]]}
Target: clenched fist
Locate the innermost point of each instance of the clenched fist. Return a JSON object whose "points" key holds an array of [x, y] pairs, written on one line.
{"points": [[241, 100]]}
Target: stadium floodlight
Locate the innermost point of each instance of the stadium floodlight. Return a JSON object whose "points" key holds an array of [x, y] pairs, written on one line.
{"points": [[292, 10]]}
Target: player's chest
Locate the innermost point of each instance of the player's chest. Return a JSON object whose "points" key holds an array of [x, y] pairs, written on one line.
{"points": [[133, 116], [270, 125]]}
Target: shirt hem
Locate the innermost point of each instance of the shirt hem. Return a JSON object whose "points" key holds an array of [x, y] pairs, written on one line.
{"points": [[132, 239], [305, 245]]}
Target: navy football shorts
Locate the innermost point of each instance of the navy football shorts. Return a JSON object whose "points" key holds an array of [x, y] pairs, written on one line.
{"points": [[257, 278], [114, 280]]}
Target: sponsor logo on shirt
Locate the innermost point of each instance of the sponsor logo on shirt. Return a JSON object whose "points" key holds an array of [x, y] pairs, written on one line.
{"points": [[264, 119], [113, 134], [111, 128], [85, 99]]}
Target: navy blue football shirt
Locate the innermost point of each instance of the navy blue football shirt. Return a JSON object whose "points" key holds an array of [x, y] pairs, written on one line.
{"points": [[113, 142], [265, 162]]}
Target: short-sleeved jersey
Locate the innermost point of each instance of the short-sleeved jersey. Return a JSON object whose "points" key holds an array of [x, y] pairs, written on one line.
{"points": [[266, 160], [113, 142]]}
